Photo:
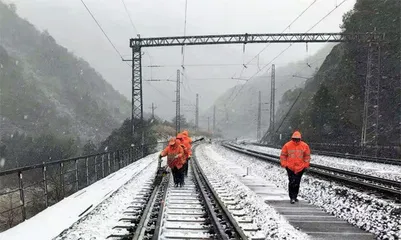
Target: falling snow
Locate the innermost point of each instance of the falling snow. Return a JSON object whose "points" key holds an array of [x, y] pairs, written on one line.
{"points": [[2, 162]]}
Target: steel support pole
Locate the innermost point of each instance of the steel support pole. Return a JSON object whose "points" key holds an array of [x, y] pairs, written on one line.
{"points": [[102, 166], [371, 115], [76, 176], [137, 94], [214, 119], [44, 170], [62, 179], [87, 171], [95, 168], [178, 104], [108, 163], [22, 196], [197, 113], [272, 98], [259, 117]]}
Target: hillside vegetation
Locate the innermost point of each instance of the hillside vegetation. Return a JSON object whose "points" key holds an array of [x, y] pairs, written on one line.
{"points": [[331, 104], [236, 109], [44, 87]]}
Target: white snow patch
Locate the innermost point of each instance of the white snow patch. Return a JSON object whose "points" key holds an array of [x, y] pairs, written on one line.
{"points": [[378, 216], [49, 223], [100, 222], [273, 225]]}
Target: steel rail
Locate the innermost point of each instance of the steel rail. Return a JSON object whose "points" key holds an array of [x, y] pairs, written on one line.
{"points": [[347, 156], [238, 230], [392, 161], [208, 206], [329, 173], [148, 209], [161, 211], [341, 171]]}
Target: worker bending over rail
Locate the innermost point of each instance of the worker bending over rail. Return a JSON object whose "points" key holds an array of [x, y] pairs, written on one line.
{"points": [[176, 157], [187, 142]]}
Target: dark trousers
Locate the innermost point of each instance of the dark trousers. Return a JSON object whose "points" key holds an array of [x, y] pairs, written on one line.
{"points": [[178, 175], [294, 181], [185, 168]]}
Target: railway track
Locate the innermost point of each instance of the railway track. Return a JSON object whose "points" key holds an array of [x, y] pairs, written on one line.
{"points": [[348, 156], [387, 187], [198, 210]]}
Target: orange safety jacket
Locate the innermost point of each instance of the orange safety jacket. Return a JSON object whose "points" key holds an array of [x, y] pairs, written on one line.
{"points": [[175, 155], [180, 140], [187, 143], [295, 156]]}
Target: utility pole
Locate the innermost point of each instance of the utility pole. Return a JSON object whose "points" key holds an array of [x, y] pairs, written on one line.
{"points": [[214, 119], [177, 105], [259, 116], [208, 124], [272, 98], [197, 113], [370, 125], [153, 110]]}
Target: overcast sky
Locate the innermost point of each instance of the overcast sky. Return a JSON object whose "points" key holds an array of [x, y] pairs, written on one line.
{"points": [[71, 25]]}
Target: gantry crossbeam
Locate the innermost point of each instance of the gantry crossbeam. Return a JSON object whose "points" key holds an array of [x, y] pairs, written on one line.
{"points": [[254, 38], [138, 43]]}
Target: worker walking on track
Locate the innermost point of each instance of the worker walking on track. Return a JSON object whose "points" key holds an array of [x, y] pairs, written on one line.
{"points": [[175, 160], [187, 141], [295, 158]]}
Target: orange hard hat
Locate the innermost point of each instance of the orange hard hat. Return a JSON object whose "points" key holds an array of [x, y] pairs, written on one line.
{"points": [[185, 133], [296, 134], [172, 141]]}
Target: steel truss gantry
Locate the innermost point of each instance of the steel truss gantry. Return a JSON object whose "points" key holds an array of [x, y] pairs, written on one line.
{"points": [[138, 43]]}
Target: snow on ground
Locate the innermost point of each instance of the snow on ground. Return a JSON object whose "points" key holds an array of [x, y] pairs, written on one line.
{"points": [[381, 217], [99, 223], [49, 223], [388, 171], [272, 224]]}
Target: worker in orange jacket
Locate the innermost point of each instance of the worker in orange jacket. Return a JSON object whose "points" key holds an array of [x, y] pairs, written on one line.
{"points": [[295, 158], [187, 141], [175, 160]]}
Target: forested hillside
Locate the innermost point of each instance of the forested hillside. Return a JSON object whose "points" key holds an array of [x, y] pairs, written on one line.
{"points": [[46, 88], [330, 105], [236, 109]]}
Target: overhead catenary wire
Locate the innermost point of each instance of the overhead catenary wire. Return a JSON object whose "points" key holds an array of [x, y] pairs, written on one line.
{"points": [[100, 27], [246, 81], [324, 17], [135, 31], [129, 16], [337, 5], [282, 52], [161, 93], [289, 25]]}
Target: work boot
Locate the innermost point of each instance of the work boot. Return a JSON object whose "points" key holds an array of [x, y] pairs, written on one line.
{"points": [[292, 201], [296, 200]]}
